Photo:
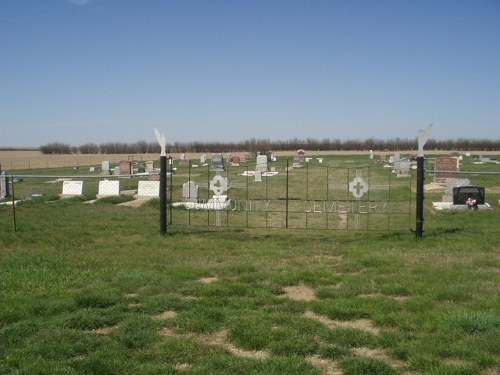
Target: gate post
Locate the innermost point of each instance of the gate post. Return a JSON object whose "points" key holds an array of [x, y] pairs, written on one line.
{"points": [[160, 137], [163, 195], [420, 197], [422, 139]]}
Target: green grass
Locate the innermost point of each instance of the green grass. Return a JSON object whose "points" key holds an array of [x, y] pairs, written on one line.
{"points": [[97, 290]]}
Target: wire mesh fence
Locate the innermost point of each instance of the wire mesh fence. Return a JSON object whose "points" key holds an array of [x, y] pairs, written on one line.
{"points": [[275, 194]]}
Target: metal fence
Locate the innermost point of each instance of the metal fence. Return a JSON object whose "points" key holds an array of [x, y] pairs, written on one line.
{"points": [[279, 194], [293, 195]]}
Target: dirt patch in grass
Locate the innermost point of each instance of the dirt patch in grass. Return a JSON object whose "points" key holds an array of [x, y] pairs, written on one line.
{"points": [[218, 339], [325, 366], [130, 295], [208, 280], [378, 354], [361, 324], [300, 293], [169, 314], [183, 367], [104, 331], [376, 295]]}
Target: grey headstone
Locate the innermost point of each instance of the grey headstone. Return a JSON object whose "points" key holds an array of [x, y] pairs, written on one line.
{"points": [[217, 163], [261, 163], [190, 192]]}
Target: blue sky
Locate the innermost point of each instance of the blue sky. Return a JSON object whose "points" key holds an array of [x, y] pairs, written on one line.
{"points": [[79, 71]]}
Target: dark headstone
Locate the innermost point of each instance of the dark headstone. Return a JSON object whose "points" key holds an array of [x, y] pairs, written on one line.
{"points": [[463, 193], [217, 163]]}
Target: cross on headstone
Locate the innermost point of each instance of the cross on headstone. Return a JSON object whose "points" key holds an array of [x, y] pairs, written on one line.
{"points": [[358, 187]]}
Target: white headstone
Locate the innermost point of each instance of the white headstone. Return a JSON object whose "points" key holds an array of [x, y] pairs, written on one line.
{"points": [[261, 163], [258, 176], [105, 165], [72, 188], [148, 189], [3, 186], [109, 188]]}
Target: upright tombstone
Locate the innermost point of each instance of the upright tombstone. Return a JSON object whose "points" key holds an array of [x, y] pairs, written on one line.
{"points": [[108, 188], [258, 176], [462, 195], [148, 189], [149, 166], [203, 158], [261, 163], [105, 169], [217, 163], [4, 186], [301, 154], [125, 167], [445, 165], [402, 167], [235, 160], [190, 192], [72, 188]]}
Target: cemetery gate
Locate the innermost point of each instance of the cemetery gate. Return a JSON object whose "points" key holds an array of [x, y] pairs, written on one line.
{"points": [[301, 195]]}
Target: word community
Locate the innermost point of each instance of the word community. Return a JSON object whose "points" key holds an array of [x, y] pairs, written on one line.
{"points": [[308, 206]]}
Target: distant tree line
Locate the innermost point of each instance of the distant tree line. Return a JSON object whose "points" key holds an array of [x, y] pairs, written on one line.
{"points": [[253, 145]]}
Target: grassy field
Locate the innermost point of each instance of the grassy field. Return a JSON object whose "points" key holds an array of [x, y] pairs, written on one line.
{"points": [[101, 292]]}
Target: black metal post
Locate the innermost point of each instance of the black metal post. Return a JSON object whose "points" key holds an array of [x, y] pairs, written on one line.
{"points": [[420, 197], [286, 201], [163, 195], [13, 204]]}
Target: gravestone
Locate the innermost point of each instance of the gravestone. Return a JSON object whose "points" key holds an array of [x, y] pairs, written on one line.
{"points": [[235, 160], [148, 189], [261, 163], [301, 154], [125, 167], [72, 188], [108, 188], [203, 158], [445, 165], [149, 166], [402, 167], [105, 169], [217, 163], [258, 176], [190, 192], [463, 193], [4, 186], [116, 171]]}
